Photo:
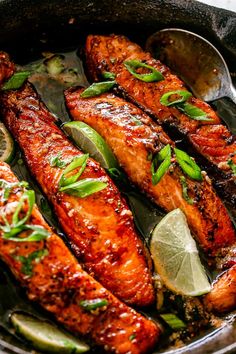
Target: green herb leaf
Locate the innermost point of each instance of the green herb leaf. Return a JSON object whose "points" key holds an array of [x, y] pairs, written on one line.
{"points": [[27, 266], [173, 321], [158, 170], [132, 337], [108, 76], [173, 97], [80, 161], [84, 187], [97, 89], [91, 305], [232, 166], [152, 76], [57, 161], [188, 165], [185, 190], [193, 112], [16, 81]]}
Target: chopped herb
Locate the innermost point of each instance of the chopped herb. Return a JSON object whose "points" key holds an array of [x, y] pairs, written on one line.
{"points": [[84, 187], [91, 305], [132, 337], [185, 190], [16, 81], [152, 76], [11, 231], [160, 164], [108, 76], [193, 112], [36, 256], [188, 165], [173, 321], [54, 64], [173, 97], [57, 161], [97, 89], [8, 187], [81, 162], [232, 165]]}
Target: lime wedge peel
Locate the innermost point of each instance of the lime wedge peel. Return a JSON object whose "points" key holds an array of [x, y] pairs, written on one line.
{"points": [[91, 142], [6, 144], [176, 257], [44, 336]]}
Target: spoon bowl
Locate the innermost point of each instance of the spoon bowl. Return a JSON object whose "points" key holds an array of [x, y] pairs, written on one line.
{"points": [[195, 60]]}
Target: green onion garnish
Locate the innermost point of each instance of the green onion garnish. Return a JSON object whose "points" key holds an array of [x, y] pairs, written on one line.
{"points": [[27, 267], [11, 231], [188, 165], [193, 112], [185, 190], [117, 175], [8, 187], [91, 305], [57, 161], [97, 89], [160, 164], [84, 187], [81, 162], [16, 81], [173, 321], [108, 76], [232, 165], [152, 76], [173, 97]]}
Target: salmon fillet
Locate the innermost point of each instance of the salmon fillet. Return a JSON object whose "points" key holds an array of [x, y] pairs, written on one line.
{"points": [[7, 68], [57, 282], [212, 142], [100, 226], [132, 143]]}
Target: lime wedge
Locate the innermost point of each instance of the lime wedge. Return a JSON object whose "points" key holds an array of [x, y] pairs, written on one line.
{"points": [[176, 257], [92, 143], [45, 336], [6, 144]]}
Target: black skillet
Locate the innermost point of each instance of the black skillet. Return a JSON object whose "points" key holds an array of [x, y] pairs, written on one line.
{"points": [[28, 27]]}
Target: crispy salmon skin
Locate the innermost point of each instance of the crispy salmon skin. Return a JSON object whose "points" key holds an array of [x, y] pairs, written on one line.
{"points": [[134, 137], [215, 146], [57, 282], [99, 226]]}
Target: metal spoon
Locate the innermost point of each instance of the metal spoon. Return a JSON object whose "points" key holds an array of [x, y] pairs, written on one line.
{"points": [[199, 64]]}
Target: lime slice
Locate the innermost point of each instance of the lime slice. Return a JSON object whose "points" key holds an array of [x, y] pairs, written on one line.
{"points": [[6, 144], [176, 257], [45, 336], [92, 143]]}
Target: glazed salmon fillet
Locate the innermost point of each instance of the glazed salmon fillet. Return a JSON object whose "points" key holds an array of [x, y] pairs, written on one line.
{"points": [[211, 141], [7, 68], [99, 226], [56, 281], [133, 137]]}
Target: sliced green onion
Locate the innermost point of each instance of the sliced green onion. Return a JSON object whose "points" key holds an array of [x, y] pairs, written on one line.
{"points": [[97, 89], [38, 234], [158, 170], [91, 305], [232, 165], [16, 81], [27, 267], [173, 321], [132, 337], [28, 195], [193, 112], [182, 96], [54, 64], [84, 187], [108, 76], [81, 162], [188, 165], [185, 190], [8, 187], [57, 161], [152, 76]]}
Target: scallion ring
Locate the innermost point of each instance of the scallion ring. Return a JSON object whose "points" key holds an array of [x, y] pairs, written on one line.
{"points": [[193, 112], [188, 165], [173, 97], [153, 76], [97, 89], [160, 164]]}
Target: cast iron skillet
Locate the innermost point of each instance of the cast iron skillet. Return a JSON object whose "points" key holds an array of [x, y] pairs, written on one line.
{"points": [[29, 27]]}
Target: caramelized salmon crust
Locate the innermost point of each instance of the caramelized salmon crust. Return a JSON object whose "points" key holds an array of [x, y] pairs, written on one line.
{"points": [[57, 282], [213, 143], [100, 226]]}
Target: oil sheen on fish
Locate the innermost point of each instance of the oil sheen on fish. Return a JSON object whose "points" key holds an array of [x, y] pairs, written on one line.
{"points": [[53, 278], [133, 137], [99, 226], [212, 142]]}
